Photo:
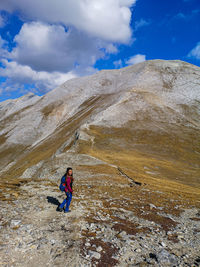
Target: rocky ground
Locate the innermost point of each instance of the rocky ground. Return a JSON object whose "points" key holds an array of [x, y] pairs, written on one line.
{"points": [[113, 222]]}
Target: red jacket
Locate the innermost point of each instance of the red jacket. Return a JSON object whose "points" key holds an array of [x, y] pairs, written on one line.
{"points": [[67, 184]]}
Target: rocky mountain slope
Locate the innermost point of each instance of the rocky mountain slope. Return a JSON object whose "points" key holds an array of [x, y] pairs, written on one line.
{"points": [[132, 137]]}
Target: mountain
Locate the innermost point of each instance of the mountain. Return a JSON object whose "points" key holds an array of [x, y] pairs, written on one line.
{"points": [[146, 116], [137, 126]]}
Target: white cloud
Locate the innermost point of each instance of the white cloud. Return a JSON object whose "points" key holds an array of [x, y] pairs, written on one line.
{"points": [[135, 59], [141, 23], [61, 39], [105, 19], [50, 48], [111, 49], [20, 75], [132, 60], [46, 56], [195, 52], [118, 63]]}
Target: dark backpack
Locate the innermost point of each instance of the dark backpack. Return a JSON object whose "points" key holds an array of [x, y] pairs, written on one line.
{"points": [[62, 181]]}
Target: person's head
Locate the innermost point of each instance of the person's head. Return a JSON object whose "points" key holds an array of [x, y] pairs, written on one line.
{"points": [[69, 171]]}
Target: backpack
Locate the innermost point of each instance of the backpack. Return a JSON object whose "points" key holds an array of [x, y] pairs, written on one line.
{"points": [[62, 181]]}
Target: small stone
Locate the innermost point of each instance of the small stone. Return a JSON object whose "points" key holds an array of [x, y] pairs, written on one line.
{"points": [[162, 244], [99, 248], [94, 254], [131, 259], [123, 233], [87, 244], [53, 241], [152, 206], [33, 247], [178, 253], [15, 223], [164, 257]]}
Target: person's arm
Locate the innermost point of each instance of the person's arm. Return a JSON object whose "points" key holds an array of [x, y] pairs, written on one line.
{"points": [[68, 185], [65, 188]]}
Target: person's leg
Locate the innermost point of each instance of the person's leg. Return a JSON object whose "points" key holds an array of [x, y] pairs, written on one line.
{"points": [[69, 198], [63, 204]]}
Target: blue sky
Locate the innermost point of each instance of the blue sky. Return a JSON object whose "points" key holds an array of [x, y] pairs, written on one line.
{"points": [[45, 42]]}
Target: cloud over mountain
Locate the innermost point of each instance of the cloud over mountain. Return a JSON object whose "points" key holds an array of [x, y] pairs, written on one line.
{"points": [[136, 59], [61, 39], [20, 75], [195, 52]]}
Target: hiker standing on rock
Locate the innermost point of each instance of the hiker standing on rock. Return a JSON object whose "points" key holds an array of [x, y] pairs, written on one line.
{"points": [[67, 181]]}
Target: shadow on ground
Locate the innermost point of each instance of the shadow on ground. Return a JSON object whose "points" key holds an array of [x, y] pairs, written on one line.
{"points": [[53, 200]]}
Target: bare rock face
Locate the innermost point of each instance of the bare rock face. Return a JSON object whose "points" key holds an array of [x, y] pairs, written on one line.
{"points": [[132, 137]]}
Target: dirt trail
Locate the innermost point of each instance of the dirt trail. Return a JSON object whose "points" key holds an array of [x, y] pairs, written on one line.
{"points": [[112, 223]]}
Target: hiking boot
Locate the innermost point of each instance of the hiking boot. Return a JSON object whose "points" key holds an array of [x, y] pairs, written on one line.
{"points": [[67, 211], [59, 209]]}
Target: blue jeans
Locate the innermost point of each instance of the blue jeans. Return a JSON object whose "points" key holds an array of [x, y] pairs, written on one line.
{"points": [[66, 201]]}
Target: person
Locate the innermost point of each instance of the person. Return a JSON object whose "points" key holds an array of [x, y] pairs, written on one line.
{"points": [[68, 190]]}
